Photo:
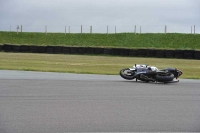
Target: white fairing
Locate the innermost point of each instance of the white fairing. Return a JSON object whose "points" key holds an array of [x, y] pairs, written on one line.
{"points": [[154, 68], [139, 66], [132, 69]]}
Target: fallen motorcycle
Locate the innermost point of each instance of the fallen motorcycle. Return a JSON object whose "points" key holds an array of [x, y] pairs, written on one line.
{"points": [[151, 74]]}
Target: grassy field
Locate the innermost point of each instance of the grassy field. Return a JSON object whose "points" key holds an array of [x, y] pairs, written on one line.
{"points": [[128, 40], [91, 64]]}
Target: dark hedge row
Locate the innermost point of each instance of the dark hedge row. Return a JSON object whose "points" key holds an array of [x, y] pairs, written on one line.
{"points": [[181, 54]]}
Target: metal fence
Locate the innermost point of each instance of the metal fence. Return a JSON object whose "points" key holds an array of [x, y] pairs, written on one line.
{"points": [[107, 29]]}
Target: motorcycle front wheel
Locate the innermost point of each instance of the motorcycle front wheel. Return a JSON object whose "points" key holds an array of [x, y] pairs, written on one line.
{"points": [[126, 73]]}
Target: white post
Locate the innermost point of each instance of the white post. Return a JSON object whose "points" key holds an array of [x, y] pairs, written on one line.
{"points": [[46, 29], [191, 29], [69, 29], [90, 29], [135, 29], [140, 29], [194, 29], [165, 29], [65, 30], [17, 29], [107, 29], [115, 29], [10, 28], [21, 28], [81, 29]]}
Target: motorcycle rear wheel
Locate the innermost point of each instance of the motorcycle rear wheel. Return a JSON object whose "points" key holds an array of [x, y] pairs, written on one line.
{"points": [[164, 78], [126, 73]]}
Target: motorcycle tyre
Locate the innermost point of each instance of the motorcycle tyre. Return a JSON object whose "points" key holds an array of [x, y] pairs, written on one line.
{"points": [[162, 78], [125, 76]]}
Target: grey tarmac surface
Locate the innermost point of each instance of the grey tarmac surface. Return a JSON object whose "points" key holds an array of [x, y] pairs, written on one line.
{"points": [[43, 102]]}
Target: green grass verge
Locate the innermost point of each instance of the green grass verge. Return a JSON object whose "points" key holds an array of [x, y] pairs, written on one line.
{"points": [[91, 64], [128, 40]]}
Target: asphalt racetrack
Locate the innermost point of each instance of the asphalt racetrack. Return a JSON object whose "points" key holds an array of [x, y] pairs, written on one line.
{"points": [[43, 102]]}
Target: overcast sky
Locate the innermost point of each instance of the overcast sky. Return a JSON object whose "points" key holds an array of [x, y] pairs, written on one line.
{"points": [[151, 15]]}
